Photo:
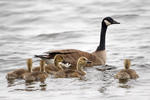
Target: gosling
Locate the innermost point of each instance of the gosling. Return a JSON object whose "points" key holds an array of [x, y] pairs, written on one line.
{"points": [[37, 75], [18, 73], [125, 74], [79, 72]]}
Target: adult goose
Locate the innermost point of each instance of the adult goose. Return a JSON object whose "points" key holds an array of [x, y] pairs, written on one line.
{"points": [[98, 57]]}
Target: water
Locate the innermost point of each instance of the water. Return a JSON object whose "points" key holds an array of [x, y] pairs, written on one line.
{"points": [[29, 27]]}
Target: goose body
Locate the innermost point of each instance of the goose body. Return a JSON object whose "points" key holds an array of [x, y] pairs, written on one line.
{"points": [[18, 73], [71, 56], [126, 73]]}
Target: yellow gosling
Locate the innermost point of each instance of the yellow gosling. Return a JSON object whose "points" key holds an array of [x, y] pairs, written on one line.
{"points": [[126, 73], [79, 72], [37, 75], [58, 60]]}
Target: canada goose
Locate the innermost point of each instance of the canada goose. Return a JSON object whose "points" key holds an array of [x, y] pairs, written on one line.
{"points": [[98, 57], [18, 73], [126, 73], [37, 75], [79, 72]]}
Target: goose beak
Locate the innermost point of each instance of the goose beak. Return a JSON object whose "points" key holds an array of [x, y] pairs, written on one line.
{"points": [[88, 62], [115, 22]]}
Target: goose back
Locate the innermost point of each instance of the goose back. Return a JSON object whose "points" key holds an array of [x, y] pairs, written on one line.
{"points": [[72, 55]]}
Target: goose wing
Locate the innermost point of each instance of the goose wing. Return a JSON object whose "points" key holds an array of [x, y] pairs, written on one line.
{"points": [[51, 54], [70, 55]]}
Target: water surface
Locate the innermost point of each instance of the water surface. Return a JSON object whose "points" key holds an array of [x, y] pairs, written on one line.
{"points": [[29, 27]]}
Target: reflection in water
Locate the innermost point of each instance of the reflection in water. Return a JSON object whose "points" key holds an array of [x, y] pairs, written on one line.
{"points": [[32, 86], [123, 81], [107, 80], [102, 89], [10, 83], [125, 86], [105, 67], [16, 82], [29, 86]]}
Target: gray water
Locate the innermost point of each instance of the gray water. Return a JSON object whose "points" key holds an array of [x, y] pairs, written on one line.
{"points": [[29, 27]]}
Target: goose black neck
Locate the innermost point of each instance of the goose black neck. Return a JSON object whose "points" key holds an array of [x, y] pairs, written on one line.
{"points": [[102, 37]]}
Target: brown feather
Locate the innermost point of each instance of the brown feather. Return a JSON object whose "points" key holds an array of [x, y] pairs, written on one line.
{"points": [[18, 73]]}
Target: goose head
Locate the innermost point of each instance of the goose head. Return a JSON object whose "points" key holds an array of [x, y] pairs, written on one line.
{"points": [[82, 61], [109, 21]]}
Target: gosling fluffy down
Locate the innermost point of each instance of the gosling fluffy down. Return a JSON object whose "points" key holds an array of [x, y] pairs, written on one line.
{"points": [[37, 75], [18, 73], [126, 73]]}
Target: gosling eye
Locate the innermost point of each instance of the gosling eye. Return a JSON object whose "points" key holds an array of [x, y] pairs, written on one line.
{"points": [[84, 59]]}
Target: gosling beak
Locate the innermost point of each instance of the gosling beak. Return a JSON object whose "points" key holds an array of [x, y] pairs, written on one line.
{"points": [[88, 62], [115, 22]]}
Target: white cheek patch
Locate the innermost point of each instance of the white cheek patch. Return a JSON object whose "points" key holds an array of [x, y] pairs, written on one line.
{"points": [[67, 65], [107, 22]]}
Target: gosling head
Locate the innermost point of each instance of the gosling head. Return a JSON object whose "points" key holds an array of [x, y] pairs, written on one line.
{"points": [[82, 61], [29, 64], [42, 65], [109, 21], [57, 60], [127, 63]]}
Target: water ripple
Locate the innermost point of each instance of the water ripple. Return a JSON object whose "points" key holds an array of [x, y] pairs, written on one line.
{"points": [[30, 27]]}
